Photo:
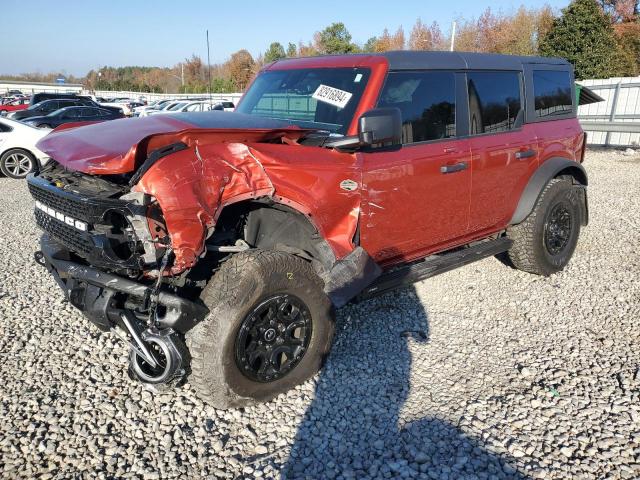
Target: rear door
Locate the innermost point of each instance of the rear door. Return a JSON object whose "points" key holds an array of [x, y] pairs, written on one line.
{"points": [[504, 150], [416, 198]]}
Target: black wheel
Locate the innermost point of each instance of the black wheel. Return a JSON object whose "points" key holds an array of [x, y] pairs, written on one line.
{"points": [[269, 329], [17, 163], [545, 241]]}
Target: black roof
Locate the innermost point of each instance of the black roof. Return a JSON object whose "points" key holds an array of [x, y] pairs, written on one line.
{"points": [[409, 60]]}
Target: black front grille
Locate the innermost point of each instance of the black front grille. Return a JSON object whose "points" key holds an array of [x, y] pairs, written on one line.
{"points": [[70, 237], [74, 208]]}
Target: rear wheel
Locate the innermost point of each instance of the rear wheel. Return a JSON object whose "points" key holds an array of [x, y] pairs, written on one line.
{"points": [[545, 241], [269, 328], [17, 163]]}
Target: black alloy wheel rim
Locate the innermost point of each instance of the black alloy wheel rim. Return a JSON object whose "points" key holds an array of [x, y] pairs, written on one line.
{"points": [[558, 229], [273, 338]]}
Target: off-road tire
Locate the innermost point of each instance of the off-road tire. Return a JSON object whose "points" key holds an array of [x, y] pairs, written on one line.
{"points": [[243, 282], [529, 252]]}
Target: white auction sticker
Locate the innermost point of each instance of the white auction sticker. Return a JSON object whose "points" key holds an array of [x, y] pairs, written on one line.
{"points": [[334, 96]]}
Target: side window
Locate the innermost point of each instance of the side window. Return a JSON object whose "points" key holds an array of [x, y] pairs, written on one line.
{"points": [[552, 92], [494, 101], [51, 106], [5, 128], [426, 101]]}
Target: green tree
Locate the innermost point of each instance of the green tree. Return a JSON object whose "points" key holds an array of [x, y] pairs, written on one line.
{"points": [[584, 36], [335, 39], [370, 46], [275, 52], [292, 50]]}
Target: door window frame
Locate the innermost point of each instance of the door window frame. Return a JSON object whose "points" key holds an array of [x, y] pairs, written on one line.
{"points": [[461, 111], [530, 111], [523, 103]]}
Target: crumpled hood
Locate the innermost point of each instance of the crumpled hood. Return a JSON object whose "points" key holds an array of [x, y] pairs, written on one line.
{"points": [[114, 147]]}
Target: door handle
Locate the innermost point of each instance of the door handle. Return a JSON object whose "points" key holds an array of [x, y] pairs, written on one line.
{"points": [[457, 167], [524, 154]]}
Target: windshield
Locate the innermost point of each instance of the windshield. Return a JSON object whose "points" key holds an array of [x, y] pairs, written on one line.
{"points": [[35, 106], [324, 98], [177, 106]]}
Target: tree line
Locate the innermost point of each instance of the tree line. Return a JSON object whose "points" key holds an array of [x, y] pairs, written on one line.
{"points": [[600, 37]]}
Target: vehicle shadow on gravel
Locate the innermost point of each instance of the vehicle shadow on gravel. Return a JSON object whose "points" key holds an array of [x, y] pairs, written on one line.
{"points": [[355, 427]]}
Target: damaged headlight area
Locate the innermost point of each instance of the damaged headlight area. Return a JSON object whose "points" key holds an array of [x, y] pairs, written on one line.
{"points": [[104, 224]]}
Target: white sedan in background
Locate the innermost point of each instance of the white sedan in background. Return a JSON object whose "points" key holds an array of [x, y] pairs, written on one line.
{"points": [[18, 153]]}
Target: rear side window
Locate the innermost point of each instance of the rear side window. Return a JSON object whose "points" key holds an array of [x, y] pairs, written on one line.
{"points": [[552, 92], [426, 101], [494, 101]]}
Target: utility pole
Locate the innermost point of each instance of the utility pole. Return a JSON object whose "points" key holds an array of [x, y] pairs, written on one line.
{"points": [[208, 69], [453, 35], [182, 75]]}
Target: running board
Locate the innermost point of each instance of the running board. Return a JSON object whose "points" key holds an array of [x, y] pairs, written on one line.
{"points": [[434, 265]]}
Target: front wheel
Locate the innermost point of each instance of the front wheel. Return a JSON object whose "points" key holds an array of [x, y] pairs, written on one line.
{"points": [[545, 241], [269, 329], [17, 163]]}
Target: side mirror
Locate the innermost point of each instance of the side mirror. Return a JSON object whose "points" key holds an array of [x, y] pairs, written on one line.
{"points": [[380, 126]]}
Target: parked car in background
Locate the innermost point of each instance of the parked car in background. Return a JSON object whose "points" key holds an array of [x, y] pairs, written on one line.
{"points": [[188, 106], [48, 106], [166, 108], [14, 105], [42, 96], [72, 115], [124, 104], [155, 105], [225, 105], [18, 153]]}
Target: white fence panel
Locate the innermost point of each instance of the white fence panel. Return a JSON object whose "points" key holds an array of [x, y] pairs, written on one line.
{"points": [[621, 105]]}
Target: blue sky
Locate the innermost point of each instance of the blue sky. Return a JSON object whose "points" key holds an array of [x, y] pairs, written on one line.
{"points": [[75, 36]]}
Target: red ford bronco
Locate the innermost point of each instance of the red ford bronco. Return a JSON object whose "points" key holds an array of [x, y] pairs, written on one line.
{"points": [[219, 243]]}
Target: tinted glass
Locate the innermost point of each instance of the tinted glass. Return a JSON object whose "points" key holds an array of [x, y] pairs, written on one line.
{"points": [[494, 101], [5, 128], [323, 98], [427, 103], [51, 106], [552, 91]]}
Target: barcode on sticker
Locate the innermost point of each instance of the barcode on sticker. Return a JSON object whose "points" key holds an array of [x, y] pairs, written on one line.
{"points": [[333, 96]]}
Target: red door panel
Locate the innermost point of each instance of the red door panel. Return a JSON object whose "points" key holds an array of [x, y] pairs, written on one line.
{"points": [[410, 207], [502, 165]]}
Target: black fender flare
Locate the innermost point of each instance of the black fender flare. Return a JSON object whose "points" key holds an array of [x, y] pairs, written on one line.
{"points": [[547, 171]]}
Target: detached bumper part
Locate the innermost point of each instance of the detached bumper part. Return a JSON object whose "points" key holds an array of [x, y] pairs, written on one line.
{"points": [[93, 291]]}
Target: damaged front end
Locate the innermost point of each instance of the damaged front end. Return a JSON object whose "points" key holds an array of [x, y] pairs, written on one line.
{"points": [[133, 225], [108, 248]]}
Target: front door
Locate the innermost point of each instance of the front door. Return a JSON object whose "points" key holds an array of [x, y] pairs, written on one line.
{"points": [[415, 199]]}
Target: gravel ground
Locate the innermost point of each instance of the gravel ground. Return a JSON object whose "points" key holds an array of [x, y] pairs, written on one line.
{"points": [[483, 372]]}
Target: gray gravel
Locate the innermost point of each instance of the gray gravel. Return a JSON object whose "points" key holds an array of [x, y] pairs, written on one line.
{"points": [[484, 372]]}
